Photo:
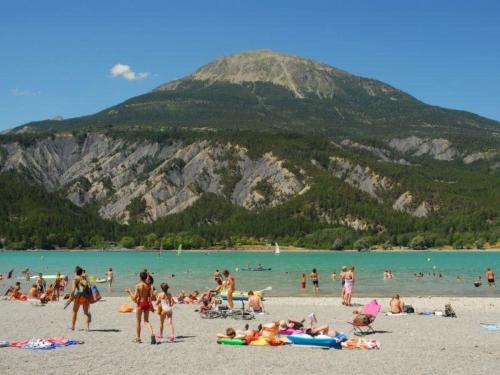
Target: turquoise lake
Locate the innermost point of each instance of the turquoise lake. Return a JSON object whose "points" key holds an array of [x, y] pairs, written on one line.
{"points": [[193, 270]]}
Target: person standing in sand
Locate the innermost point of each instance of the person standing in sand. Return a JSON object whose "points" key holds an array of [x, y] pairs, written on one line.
{"points": [[142, 296], [57, 286], [315, 280], [230, 286], [165, 304], [348, 286], [490, 276], [80, 295]]}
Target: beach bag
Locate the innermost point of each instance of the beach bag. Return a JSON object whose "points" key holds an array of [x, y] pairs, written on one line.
{"points": [[362, 319], [84, 289], [408, 309], [449, 312], [95, 295]]}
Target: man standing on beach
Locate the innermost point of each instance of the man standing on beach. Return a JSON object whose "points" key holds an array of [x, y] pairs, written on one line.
{"points": [[230, 286], [490, 276]]}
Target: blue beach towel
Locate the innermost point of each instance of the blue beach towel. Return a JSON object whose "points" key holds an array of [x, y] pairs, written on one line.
{"points": [[492, 327]]}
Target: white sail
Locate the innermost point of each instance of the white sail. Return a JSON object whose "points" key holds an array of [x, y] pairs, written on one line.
{"points": [[277, 248], [179, 250]]}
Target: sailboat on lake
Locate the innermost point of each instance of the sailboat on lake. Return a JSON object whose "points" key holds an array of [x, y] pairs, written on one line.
{"points": [[179, 249], [277, 250]]}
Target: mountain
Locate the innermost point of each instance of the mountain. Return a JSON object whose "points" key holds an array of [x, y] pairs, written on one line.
{"points": [[252, 148], [264, 90]]}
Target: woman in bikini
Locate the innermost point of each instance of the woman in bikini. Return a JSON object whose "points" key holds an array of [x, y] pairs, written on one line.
{"points": [[81, 296], [165, 303], [142, 296], [349, 283]]}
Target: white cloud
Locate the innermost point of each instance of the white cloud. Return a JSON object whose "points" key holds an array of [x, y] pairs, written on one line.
{"points": [[18, 92], [126, 72]]}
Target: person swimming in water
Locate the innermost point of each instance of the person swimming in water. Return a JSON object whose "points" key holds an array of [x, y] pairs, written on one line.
{"points": [[142, 296]]}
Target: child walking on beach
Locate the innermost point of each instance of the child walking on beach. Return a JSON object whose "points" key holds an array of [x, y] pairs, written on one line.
{"points": [[165, 304], [142, 296]]}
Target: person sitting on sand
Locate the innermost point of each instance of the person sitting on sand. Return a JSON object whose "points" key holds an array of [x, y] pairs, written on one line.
{"points": [[192, 297], [205, 306], [165, 303], [49, 294], [15, 292], [32, 293], [255, 303], [396, 305], [180, 297], [142, 296]]}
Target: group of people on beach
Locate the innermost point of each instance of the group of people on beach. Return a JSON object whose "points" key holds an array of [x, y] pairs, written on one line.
{"points": [[39, 291], [346, 277]]}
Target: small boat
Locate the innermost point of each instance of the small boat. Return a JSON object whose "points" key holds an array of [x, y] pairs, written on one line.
{"points": [[46, 277], [255, 269], [277, 249], [179, 249]]}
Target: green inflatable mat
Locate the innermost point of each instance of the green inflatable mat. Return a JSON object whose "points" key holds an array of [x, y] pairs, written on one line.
{"points": [[231, 342]]}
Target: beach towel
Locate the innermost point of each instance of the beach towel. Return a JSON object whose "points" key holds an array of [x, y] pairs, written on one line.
{"points": [[126, 308], [360, 344], [393, 314], [491, 327], [372, 308], [4, 344], [44, 344]]}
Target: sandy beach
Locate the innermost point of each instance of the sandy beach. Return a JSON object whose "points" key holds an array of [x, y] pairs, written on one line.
{"points": [[409, 344]]}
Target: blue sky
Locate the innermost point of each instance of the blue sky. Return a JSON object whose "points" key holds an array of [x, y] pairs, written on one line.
{"points": [[56, 56]]}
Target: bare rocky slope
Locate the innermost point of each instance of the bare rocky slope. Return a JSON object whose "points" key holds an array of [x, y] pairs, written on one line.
{"points": [[112, 173]]}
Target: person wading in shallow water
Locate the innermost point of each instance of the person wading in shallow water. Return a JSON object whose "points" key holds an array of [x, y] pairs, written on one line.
{"points": [[490, 276], [315, 280]]}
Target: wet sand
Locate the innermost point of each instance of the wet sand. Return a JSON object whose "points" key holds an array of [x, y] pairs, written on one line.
{"points": [[409, 344]]}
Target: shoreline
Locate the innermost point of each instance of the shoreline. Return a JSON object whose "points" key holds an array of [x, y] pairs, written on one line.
{"points": [[284, 249]]}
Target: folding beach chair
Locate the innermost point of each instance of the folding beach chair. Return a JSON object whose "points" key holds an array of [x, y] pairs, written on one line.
{"points": [[364, 327]]}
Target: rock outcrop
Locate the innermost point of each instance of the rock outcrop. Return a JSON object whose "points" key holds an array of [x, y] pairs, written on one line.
{"points": [[439, 149], [166, 178]]}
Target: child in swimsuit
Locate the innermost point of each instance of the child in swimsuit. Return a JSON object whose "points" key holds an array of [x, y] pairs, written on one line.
{"points": [[143, 294], [166, 302]]}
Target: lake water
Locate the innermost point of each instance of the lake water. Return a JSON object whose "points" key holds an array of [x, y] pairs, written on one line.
{"points": [[193, 270]]}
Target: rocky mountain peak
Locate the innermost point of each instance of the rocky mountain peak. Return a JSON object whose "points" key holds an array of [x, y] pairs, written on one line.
{"points": [[300, 75]]}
